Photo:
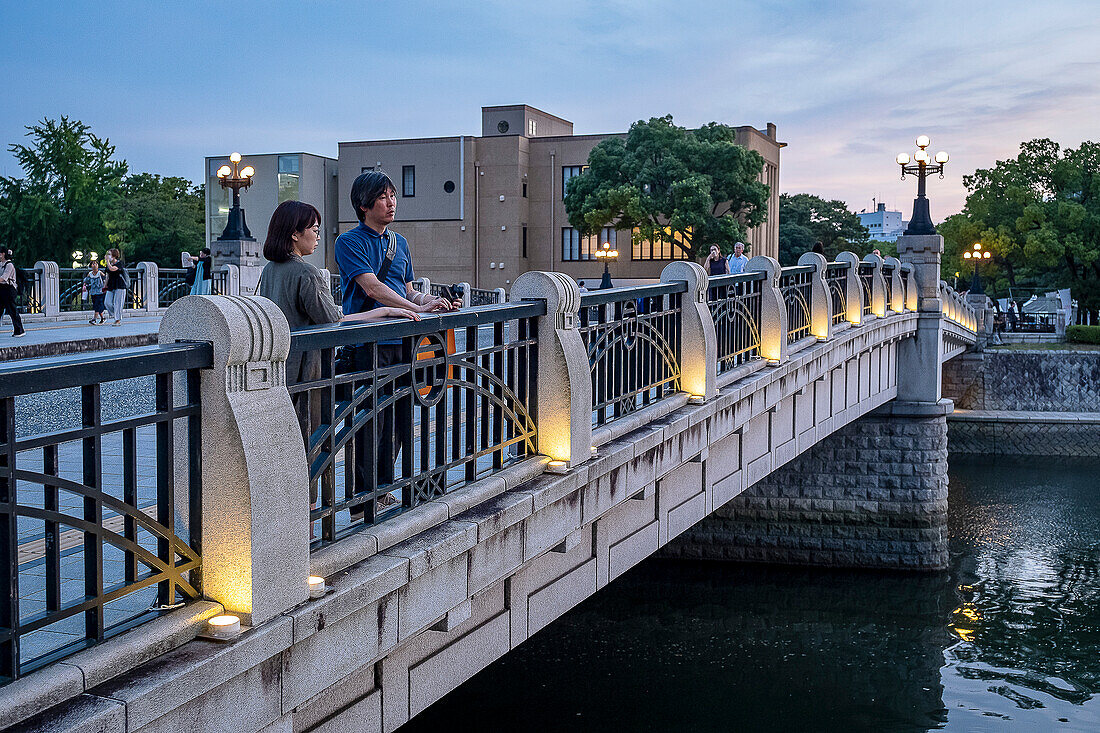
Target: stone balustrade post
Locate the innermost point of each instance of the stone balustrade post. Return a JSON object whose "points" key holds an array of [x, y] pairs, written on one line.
{"points": [[853, 289], [149, 272], [698, 339], [821, 301], [950, 302], [502, 295], [878, 286], [564, 399], [910, 286], [773, 310], [232, 280], [48, 284], [255, 483], [896, 301], [466, 294], [919, 372], [423, 285]]}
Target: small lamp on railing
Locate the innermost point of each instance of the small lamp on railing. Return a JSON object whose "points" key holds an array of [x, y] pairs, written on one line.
{"points": [[977, 255], [920, 165], [607, 255]]}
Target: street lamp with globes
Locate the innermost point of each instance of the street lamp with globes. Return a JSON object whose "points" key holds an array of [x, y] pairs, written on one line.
{"points": [[977, 255], [920, 165], [235, 178], [607, 255]]}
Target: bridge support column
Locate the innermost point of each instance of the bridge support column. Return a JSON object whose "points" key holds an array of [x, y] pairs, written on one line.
{"points": [[255, 487], [919, 358], [872, 495]]}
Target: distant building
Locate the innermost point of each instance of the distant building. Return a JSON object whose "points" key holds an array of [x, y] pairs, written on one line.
{"points": [[483, 209], [885, 226]]}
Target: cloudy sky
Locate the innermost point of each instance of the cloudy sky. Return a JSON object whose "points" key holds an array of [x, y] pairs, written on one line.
{"points": [[849, 84]]}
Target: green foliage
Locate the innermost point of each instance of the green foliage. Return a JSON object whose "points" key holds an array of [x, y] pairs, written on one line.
{"points": [[75, 197], [667, 182], [1083, 334], [1039, 214], [805, 219]]}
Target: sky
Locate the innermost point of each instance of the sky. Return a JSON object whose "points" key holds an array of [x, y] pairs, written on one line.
{"points": [[849, 84]]}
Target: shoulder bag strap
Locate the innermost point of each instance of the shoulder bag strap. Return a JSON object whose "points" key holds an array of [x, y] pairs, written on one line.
{"points": [[391, 252]]}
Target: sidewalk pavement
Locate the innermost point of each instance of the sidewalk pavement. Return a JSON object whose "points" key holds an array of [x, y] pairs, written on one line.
{"points": [[68, 337]]}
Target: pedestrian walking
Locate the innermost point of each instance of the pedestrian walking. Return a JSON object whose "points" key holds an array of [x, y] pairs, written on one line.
{"points": [[118, 280], [737, 260], [581, 287], [201, 274], [9, 288], [95, 283], [716, 263], [376, 270]]}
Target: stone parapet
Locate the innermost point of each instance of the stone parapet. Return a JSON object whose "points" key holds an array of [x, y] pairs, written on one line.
{"points": [[1034, 381], [1017, 433]]}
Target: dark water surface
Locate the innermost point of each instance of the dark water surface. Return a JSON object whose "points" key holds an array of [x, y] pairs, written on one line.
{"points": [[1007, 640]]}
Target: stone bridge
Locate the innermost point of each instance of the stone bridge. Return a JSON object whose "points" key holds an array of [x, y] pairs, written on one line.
{"points": [[598, 430]]}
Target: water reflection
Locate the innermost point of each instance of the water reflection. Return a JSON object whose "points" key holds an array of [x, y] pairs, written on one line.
{"points": [[1008, 639]]}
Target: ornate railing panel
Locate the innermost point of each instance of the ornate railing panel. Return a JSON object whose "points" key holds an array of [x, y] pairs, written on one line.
{"points": [[836, 276], [734, 302], [866, 281], [453, 394], [30, 300], [483, 297], [94, 541], [71, 287], [633, 340], [171, 285], [336, 288], [219, 282], [888, 277], [794, 284]]}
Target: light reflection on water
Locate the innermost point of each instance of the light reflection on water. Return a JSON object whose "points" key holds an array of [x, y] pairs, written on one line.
{"points": [[1007, 640]]}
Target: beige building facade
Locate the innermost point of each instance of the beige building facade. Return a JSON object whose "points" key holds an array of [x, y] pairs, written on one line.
{"points": [[478, 209]]}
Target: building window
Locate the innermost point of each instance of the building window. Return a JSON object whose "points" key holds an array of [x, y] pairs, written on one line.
{"points": [[532, 128], [569, 171], [408, 181], [663, 249], [575, 248], [217, 199], [288, 178], [449, 187], [525, 189], [525, 239]]}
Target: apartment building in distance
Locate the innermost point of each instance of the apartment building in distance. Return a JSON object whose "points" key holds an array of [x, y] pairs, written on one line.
{"points": [[480, 209], [884, 226]]}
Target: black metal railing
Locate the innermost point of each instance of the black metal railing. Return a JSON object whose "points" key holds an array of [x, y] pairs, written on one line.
{"points": [[70, 289], [336, 288], [632, 336], [483, 297], [795, 284], [219, 282], [172, 285], [734, 302], [888, 279], [30, 298], [866, 281], [453, 394], [94, 542], [836, 277]]}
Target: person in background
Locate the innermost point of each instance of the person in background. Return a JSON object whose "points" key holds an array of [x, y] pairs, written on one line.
{"points": [[737, 260], [117, 282], [300, 291], [715, 263], [9, 281], [581, 287], [95, 282], [877, 253], [204, 273], [819, 248]]}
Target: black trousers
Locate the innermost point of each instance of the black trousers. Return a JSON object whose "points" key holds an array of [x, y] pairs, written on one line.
{"points": [[7, 305], [393, 424]]}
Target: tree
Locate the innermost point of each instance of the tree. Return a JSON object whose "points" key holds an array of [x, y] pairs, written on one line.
{"points": [[1039, 214], [156, 218], [71, 179], [664, 182], [805, 219]]}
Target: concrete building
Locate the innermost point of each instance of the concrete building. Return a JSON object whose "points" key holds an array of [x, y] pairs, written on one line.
{"points": [[279, 177], [885, 226], [478, 209]]}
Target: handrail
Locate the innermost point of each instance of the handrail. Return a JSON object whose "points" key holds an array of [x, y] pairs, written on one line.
{"points": [[614, 295]]}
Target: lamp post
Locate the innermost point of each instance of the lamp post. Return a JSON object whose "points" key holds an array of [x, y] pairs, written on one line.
{"points": [[235, 178], [920, 165], [607, 255], [977, 255]]}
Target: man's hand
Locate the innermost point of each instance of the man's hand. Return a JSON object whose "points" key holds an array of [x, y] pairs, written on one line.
{"points": [[389, 312], [432, 304]]}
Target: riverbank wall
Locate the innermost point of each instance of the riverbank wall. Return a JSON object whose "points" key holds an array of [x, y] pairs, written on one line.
{"points": [[1043, 403]]}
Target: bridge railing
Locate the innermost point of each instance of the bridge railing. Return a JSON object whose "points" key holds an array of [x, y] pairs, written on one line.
{"points": [[794, 284], [632, 336], [866, 283], [836, 276], [734, 302], [99, 496], [454, 393]]}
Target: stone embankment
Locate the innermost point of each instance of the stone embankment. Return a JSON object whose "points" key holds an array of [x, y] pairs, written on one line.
{"points": [[1011, 402]]}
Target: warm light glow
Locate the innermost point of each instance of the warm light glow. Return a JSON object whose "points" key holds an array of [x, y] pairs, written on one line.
{"points": [[921, 156], [903, 158], [235, 158], [557, 467], [316, 586], [986, 255], [696, 399], [942, 157], [923, 141], [966, 255], [248, 172], [225, 626], [224, 171], [977, 246]]}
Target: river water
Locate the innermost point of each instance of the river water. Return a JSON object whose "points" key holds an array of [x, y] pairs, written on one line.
{"points": [[1008, 639]]}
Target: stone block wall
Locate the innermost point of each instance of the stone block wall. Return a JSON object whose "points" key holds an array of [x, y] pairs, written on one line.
{"points": [[1042, 381], [1024, 434], [873, 494]]}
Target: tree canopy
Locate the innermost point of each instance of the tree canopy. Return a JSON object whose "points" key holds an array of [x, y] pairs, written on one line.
{"points": [[77, 197], [1039, 214], [805, 219], [667, 183]]}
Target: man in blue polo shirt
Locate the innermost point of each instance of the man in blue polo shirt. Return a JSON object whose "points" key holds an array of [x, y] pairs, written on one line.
{"points": [[369, 278]]}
